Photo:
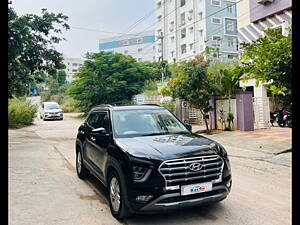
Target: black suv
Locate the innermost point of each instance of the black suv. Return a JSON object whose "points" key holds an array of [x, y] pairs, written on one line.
{"points": [[149, 160]]}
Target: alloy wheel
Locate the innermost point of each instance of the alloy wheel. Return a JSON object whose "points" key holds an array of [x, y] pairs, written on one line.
{"points": [[115, 194]]}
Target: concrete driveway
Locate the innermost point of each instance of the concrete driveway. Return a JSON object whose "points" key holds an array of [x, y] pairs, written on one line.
{"points": [[44, 188]]}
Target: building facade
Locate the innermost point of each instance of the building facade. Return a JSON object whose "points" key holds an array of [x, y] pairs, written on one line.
{"points": [[72, 66], [254, 16], [189, 26], [140, 45]]}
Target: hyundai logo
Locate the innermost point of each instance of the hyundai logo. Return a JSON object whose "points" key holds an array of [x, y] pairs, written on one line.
{"points": [[195, 166]]}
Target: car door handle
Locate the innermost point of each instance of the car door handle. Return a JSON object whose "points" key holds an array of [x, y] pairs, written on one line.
{"points": [[93, 139]]}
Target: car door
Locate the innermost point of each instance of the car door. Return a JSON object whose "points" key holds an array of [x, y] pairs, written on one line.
{"points": [[89, 143], [101, 140]]}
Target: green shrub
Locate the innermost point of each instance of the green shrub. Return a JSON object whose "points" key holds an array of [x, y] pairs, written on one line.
{"points": [[69, 105], [20, 113], [170, 105], [45, 96]]}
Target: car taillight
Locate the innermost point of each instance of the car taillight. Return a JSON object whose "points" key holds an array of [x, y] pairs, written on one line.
{"points": [[285, 113]]}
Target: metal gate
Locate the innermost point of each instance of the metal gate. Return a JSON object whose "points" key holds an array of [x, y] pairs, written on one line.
{"points": [[261, 112]]}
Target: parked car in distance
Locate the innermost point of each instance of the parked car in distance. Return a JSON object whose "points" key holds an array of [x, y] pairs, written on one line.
{"points": [[149, 160], [50, 111]]}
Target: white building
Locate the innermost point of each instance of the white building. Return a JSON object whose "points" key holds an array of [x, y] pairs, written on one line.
{"points": [[188, 27], [72, 66], [140, 45]]}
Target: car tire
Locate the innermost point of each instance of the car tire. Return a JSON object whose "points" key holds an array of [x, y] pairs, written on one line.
{"points": [[119, 210], [82, 171]]}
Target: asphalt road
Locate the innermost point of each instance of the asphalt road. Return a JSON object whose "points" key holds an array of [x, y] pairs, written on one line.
{"points": [[44, 188]]}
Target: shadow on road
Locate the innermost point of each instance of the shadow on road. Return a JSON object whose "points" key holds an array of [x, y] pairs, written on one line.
{"points": [[205, 212]]}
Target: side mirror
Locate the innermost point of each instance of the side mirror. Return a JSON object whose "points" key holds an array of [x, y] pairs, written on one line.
{"points": [[188, 126], [100, 130]]}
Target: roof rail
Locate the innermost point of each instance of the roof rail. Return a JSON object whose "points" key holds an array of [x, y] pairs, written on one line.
{"points": [[151, 104], [103, 105]]}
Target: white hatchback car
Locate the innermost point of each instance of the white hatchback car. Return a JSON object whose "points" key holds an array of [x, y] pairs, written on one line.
{"points": [[51, 110]]}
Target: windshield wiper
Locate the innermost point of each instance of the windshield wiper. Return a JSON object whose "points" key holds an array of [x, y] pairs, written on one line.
{"points": [[153, 134]]}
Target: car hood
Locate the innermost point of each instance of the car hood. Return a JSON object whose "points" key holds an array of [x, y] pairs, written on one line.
{"points": [[163, 147]]}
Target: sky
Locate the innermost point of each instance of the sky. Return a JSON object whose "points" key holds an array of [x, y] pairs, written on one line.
{"points": [[106, 15]]}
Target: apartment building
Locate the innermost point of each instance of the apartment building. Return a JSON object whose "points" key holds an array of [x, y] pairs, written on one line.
{"points": [[140, 45], [72, 66], [254, 16], [189, 26]]}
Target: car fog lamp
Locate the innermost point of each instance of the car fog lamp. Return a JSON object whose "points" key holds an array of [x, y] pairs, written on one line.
{"points": [[228, 184], [139, 172], [143, 198]]}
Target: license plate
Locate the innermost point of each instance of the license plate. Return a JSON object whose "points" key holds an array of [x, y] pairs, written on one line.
{"points": [[53, 115], [196, 188]]}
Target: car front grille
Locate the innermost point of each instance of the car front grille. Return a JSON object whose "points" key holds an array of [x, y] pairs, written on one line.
{"points": [[179, 172]]}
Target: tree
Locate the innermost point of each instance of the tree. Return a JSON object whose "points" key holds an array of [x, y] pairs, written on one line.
{"points": [[108, 78], [61, 77], [190, 82], [31, 53], [226, 76], [269, 58]]}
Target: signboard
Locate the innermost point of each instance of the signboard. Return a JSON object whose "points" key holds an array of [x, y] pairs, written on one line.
{"points": [[140, 99]]}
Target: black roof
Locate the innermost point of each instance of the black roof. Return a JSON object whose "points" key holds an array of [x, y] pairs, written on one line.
{"points": [[127, 107]]}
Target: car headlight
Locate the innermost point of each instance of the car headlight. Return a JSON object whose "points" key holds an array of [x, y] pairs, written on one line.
{"points": [[223, 152]]}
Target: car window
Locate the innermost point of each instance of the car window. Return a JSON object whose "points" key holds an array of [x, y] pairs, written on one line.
{"points": [[103, 121], [52, 106], [92, 120], [129, 123]]}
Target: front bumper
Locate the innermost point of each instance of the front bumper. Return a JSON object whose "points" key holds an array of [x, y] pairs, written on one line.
{"points": [[51, 117], [165, 202]]}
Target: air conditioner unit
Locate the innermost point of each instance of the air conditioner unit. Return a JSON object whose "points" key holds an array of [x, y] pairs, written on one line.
{"points": [[264, 1]]}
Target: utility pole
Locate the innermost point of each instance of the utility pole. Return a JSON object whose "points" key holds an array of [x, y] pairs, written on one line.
{"points": [[161, 58]]}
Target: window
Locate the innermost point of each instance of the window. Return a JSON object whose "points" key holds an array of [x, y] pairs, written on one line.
{"points": [[200, 15], [229, 25], [172, 54], [159, 4], [139, 41], [230, 42], [140, 49], [183, 49], [216, 41], [92, 120], [191, 30], [182, 3], [229, 8], [74, 64], [191, 46], [182, 19], [201, 33], [231, 56], [140, 59], [216, 2], [190, 17], [216, 20], [74, 71], [159, 18], [126, 51], [171, 26], [183, 33], [172, 39]]}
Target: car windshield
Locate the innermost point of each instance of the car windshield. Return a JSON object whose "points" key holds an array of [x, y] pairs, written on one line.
{"points": [[129, 123], [52, 106]]}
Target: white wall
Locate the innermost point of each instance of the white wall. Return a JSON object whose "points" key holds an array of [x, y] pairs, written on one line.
{"points": [[222, 104]]}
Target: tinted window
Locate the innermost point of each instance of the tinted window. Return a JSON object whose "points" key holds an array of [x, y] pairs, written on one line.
{"points": [[103, 121], [52, 106], [92, 120]]}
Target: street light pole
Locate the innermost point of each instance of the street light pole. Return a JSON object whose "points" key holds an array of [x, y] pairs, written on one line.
{"points": [[161, 58]]}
